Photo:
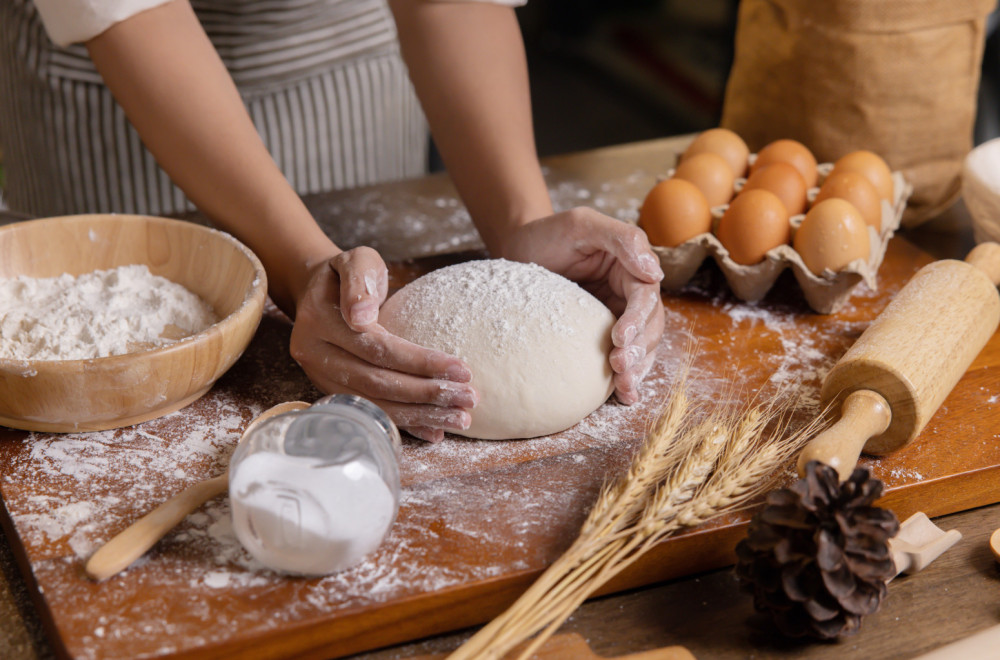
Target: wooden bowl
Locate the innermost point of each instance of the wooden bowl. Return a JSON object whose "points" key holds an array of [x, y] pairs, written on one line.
{"points": [[121, 390]]}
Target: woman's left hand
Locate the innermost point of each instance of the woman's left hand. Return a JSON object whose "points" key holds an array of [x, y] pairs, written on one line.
{"points": [[612, 260]]}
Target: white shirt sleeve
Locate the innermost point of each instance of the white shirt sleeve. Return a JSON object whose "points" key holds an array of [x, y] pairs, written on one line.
{"points": [[73, 21]]}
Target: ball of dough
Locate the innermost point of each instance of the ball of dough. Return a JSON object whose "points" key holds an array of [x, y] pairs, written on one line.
{"points": [[536, 342]]}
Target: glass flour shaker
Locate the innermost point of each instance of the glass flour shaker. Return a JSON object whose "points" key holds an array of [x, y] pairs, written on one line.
{"points": [[314, 491]]}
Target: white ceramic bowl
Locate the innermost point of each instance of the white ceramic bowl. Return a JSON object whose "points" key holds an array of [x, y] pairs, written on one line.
{"points": [[121, 390]]}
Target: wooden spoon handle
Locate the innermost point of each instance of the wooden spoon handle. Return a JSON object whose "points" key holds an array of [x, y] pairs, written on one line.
{"points": [[118, 553], [863, 415]]}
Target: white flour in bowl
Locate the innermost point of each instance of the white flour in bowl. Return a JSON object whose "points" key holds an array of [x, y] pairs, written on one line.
{"points": [[106, 312]]}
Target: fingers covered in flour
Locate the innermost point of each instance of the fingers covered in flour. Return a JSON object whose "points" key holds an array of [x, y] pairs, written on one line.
{"points": [[613, 260], [354, 373], [409, 400], [425, 433], [416, 386], [364, 283], [635, 337], [626, 244], [627, 382]]}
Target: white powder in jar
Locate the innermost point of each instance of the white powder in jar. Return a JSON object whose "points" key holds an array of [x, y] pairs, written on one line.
{"points": [[302, 515], [98, 314]]}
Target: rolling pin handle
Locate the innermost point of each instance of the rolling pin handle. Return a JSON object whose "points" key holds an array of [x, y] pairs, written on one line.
{"points": [[986, 257], [863, 415]]}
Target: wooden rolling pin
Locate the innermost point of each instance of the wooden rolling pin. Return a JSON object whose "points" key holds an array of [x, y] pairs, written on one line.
{"points": [[891, 382]]}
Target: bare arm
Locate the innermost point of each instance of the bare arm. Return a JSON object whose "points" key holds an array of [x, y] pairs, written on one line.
{"points": [[164, 72], [467, 63], [175, 90]]}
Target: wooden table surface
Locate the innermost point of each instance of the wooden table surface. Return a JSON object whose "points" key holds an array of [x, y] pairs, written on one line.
{"points": [[705, 613]]}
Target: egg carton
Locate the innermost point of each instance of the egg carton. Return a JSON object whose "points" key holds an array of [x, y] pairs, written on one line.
{"points": [[825, 293]]}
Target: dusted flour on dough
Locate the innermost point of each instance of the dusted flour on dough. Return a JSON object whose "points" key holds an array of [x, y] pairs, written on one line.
{"points": [[537, 343], [106, 312]]}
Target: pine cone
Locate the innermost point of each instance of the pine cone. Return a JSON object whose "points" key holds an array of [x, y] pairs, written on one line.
{"points": [[816, 557]]}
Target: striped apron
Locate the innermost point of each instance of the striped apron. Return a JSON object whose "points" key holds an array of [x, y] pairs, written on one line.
{"points": [[322, 80]]}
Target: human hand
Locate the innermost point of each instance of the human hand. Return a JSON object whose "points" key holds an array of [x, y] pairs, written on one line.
{"points": [[342, 348], [613, 261]]}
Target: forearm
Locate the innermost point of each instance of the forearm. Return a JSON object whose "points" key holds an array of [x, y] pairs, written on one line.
{"points": [[166, 75], [467, 63]]}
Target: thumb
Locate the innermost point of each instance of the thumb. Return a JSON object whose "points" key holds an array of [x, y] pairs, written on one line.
{"points": [[364, 283]]}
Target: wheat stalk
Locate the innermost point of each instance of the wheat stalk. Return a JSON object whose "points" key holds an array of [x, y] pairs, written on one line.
{"points": [[621, 500], [689, 469]]}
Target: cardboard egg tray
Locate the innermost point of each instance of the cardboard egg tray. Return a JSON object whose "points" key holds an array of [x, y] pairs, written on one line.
{"points": [[825, 292]]}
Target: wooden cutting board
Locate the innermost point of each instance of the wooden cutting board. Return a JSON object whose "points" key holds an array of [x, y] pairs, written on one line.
{"points": [[478, 519]]}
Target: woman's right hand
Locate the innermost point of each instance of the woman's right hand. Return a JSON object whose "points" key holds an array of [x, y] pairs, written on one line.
{"points": [[342, 348]]}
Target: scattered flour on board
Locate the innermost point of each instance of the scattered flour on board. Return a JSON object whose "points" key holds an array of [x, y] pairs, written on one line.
{"points": [[154, 468], [85, 486], [407, 226], [97, 314], [800, 359]]}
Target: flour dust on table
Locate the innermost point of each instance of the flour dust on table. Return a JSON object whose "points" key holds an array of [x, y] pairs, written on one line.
{"points": [[407, 225], [470, 510]]}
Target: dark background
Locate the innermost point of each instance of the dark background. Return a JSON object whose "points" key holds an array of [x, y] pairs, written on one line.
{"points": [[611, 72], [607, 72]]}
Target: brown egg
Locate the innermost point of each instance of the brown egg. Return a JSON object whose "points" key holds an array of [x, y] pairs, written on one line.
{"points": [[784, 181], [832, 235], [673, 212], [792, 152], [856, 189], [872, 166], [723, 142], [755, 222], [711, 173]]}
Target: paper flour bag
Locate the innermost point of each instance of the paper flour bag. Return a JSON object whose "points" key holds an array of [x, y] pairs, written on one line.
{"points": [[897, 77]]}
